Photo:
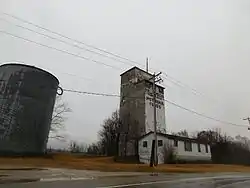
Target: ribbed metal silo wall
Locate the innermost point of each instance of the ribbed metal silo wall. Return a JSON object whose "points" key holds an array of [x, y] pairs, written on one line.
{"points": [[27, 98]]}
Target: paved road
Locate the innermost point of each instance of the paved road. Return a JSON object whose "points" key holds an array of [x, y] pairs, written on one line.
{"points": [[147, 181]]}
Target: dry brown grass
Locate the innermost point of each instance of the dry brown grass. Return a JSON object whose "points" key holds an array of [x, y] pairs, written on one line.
{"points": [[107, 164]]}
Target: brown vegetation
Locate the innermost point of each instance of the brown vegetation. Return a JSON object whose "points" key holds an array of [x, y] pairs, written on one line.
{"points": [[107, 164]]}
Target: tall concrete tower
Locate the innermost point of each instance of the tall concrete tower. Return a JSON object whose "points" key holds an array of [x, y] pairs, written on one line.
{"points": [[136, 109]]}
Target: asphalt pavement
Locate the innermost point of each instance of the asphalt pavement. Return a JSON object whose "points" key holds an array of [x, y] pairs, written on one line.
{"points": [[219, 180]]}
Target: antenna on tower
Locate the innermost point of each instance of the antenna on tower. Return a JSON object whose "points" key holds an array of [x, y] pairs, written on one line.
{"points": [[147, 64]]}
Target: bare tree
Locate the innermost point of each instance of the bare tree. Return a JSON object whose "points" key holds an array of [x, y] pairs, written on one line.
{"points": [[109, 134], [243, 141], [95, 149], [211, 136], [76, 147], [61, 109], [182, 133]]}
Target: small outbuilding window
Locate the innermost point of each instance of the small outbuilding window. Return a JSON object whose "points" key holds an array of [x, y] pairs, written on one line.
{"points": [[145, 144], [199, 147], [206, 146], [175, 143], [188, 146], [160, 143]]}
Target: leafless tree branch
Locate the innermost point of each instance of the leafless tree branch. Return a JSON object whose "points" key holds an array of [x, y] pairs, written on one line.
{"points": [[59, 117]]}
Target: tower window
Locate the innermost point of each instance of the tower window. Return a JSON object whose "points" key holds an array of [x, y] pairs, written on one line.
{"points": [[145, 144], [161, 90]]}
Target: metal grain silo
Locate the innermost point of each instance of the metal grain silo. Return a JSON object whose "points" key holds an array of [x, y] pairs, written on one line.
{"points": [[27, 97]]}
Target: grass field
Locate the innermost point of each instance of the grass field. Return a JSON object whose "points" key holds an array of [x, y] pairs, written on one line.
{"points": [[107, 164]]}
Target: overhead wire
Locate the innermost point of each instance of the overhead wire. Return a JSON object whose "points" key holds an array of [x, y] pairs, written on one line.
{"points": [[60, 72], [184, 86], [194, 112], [77, 41], [91, 93], [69, 38], [59, 50], [167, 76], [65, 42], [168, 101]]}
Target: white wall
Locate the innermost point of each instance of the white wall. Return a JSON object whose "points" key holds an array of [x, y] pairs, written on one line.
{"points": [[145, 153], [194, 154], [181, 154], [149, 112]]}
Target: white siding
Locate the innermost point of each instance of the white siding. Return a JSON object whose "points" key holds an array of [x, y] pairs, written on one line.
{"points": [[194, 154], [149, 111], [181, 154], [145, 153]]}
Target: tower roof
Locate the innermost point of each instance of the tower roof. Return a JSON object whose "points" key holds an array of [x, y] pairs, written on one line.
{"points": [[135, 67]]}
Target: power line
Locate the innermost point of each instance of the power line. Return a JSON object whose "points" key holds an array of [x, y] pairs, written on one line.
{"points": [[91, 93], [79, 47], [69, 38], [60, 72], [176, 82], [67, 43], [66, 73], [59, 50], [203, 115], [168, 101], [182, 85]]}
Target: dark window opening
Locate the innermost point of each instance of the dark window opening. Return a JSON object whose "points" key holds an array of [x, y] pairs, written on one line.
{"points": [[145, 144], [149, 85], [199, 147], [188, 146], [161, 90], [160, 143], [206, 146], [175, 143]]}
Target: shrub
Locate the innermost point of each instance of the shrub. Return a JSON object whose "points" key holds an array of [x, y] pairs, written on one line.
{"points": [[169, 154]]}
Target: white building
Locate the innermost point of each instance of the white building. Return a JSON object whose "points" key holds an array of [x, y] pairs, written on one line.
{"points": [[185, 149]]}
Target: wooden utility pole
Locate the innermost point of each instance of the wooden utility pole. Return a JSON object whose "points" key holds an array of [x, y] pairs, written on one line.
{"points": [[155, 80]]}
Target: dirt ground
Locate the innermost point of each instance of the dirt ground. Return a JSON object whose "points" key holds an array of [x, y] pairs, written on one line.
{"points": [[107, 164]]}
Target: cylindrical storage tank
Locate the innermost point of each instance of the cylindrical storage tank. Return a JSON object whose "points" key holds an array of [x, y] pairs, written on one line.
{"points": [[27, 98]]}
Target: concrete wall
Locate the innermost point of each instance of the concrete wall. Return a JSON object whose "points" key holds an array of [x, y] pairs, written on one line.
{"points": [[132, 104], [181, 154], [132, 113]]}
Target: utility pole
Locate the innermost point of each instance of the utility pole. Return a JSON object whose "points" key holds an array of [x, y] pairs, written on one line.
{"points": [[248, 119], [155, 80]]}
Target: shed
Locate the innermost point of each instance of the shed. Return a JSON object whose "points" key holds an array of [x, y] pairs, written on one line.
{"points": [[184, 148]]}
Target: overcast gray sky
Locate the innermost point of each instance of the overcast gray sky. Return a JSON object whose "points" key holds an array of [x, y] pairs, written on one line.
{"points": [[204, 44]]}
